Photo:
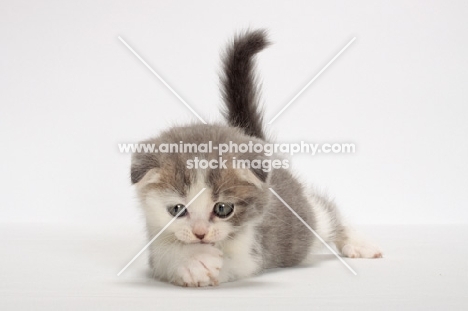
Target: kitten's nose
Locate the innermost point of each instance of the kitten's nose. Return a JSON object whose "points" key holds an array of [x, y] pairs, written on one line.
{"points": [[200, 229], [200, 236]]}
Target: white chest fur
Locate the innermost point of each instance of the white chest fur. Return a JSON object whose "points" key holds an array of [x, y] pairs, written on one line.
{"points": [[240, 256]]}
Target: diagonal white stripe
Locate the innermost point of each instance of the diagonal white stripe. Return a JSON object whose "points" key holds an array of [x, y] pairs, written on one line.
{"points": [[159, 233], [313, 231], [313, 79], [161, 79]]}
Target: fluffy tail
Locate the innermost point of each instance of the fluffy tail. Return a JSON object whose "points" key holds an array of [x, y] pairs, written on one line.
{"points": [[238, 83]]}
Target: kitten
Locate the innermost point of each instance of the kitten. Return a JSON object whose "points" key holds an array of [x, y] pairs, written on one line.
{"points": [[236, 227]]}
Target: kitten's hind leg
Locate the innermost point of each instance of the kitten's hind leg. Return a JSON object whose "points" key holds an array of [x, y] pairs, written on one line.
{"points": [[352, 244], [331, 227]]}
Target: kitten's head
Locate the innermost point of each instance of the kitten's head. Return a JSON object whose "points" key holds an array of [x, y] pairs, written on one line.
{"points": [[231, 200]]}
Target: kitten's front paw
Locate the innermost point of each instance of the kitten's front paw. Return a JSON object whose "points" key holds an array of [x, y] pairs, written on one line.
{"points": [[201, 269]]}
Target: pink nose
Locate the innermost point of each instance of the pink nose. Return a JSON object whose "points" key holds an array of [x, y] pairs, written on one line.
{"points": [[200, 236], [199, 230]]}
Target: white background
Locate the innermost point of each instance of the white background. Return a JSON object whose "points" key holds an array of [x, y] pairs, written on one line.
{"points": [[70, 91]]}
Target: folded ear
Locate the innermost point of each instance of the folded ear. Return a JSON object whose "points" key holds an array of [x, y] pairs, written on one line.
{"points": [[141, 165], [256, 177], [151, 177]]}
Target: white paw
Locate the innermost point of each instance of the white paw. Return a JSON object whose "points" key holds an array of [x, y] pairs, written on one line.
{"points": [[200, 269], [352, 250]]}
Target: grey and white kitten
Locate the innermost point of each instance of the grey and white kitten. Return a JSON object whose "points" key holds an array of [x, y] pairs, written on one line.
{"points": [[236, 228]]}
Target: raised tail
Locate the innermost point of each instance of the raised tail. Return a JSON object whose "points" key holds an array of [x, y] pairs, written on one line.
{"points": [[238, 83]]}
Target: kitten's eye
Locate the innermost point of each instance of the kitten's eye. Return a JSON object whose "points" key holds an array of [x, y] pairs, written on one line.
{"points": [[223, 210], [174, 210]]}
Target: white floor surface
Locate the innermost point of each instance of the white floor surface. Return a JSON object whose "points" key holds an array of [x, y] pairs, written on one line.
{"points": [[49, 267]]}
